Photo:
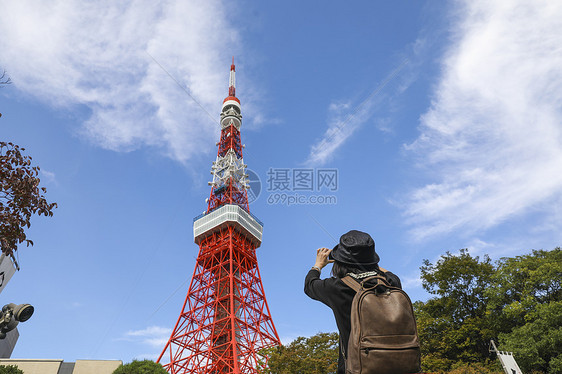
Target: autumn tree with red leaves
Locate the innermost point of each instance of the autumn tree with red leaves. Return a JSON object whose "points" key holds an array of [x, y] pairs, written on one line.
{"points": [[20, 197]]}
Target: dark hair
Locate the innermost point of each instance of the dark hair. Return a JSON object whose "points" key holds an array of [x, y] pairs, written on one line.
{"points": [[340, 270]]}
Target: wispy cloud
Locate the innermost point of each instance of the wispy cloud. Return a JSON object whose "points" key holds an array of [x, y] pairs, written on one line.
{"points": [[154, 336], [48, 176], [148, 356], [412, 281], [97, 55], [345, 119], [492, 138], [288, 339], [340, 127]]}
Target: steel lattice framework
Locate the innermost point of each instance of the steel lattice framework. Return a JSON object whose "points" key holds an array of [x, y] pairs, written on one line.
{"points": [[225, 321]]}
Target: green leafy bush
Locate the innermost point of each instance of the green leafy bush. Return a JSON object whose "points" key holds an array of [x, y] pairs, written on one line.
{"points": [[141, 367], [10, 369]]}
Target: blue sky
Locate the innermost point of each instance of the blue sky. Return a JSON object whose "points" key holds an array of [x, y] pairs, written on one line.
{"points": [[442, 121]]}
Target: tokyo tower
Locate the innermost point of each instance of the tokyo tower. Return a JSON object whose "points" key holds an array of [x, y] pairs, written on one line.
{"points": [[225, 321]]}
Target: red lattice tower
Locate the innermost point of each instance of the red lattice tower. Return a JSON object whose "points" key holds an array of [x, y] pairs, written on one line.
{"points": [[225, 321]]}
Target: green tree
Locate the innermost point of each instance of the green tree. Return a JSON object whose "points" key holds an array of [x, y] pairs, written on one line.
{"points": [[522, 283], [461, 281], [453, 326], [516, 301], [537, 344], [20, 197], [475, 368], [315, 355], [526, 309], [10, 369], [141, 367]]}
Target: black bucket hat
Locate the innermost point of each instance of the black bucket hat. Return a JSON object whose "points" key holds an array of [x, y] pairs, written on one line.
{"points": [[356, 248]]}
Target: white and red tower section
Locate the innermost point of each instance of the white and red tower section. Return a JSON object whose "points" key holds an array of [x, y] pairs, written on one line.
{"points": [[225, 321]]}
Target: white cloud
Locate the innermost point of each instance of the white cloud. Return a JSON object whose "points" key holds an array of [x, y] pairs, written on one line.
{"points": [[288, 339], [155, 336], [342, 125], [411, 282], [346, 118], [492, 136], [48, 176], [148, 356], [96, 54]]}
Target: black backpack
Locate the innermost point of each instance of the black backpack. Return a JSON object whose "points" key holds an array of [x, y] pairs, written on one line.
{"points": [[384, 335]]}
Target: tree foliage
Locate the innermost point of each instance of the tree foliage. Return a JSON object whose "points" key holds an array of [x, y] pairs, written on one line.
{"points": [[141, 367], [452, 326], [319, 354], [10, 369], [315, 355], [522, 283], [20, 197], [527, 300], [516, 301]]}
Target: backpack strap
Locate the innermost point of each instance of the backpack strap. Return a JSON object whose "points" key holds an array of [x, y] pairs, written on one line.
{"points": [[351, 283], [357, 285]]}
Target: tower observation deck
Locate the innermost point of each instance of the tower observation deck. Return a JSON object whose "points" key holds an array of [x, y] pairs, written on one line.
{"points": [[225, 320]]}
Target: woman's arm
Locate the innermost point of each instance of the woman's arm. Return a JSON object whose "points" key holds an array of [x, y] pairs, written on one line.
{"points": [[322, 258], [315, 287]]}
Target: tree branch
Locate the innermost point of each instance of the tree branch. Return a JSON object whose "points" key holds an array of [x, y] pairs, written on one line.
{"points": [[5, 79]]}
